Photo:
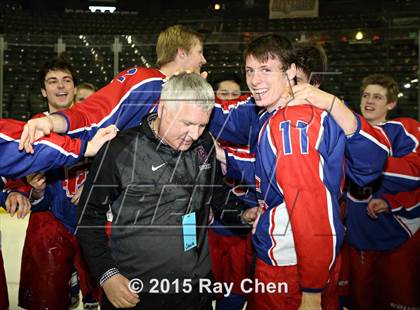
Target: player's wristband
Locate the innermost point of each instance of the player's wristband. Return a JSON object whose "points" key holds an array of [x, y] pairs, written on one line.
{"points": [[108, 274]]}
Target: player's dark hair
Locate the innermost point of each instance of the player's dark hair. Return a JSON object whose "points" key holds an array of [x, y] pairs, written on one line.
{"points": [[312, 60], [57, 64], [219, 78], [271, 46]]}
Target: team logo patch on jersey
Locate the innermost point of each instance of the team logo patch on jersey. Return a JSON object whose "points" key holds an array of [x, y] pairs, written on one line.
{"points": [[203, 156]]}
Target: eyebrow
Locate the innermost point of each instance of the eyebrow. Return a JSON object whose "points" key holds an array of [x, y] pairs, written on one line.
{"points": [[56, 78], [377, 94]]}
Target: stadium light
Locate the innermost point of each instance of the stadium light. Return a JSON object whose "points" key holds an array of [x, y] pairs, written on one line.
{"points": [[359, 36], [102, 8]]}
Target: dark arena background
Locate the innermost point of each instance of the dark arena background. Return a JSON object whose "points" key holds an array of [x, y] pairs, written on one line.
{"points": [[104, 37], [100, 44]]}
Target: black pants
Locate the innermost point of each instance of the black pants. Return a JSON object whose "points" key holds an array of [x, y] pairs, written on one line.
{"points": [[192, 301]]}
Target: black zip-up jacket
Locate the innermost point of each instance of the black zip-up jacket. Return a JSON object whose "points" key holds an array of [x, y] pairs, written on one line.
{"points": [[149, 187]]}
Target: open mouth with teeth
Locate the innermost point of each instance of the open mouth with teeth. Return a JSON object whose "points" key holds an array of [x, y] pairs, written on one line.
{"points": [[369, 108], [258, 94]]}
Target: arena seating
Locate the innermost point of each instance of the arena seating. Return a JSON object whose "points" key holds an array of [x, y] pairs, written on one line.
{"points": [[31, 39]]}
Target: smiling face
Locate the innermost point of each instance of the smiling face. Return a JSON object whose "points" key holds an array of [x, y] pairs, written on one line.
{"points": [[374, 104], [181, 123], [59, 90], [267, 81]]}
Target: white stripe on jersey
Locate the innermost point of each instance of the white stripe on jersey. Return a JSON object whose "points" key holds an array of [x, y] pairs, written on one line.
{"points": [[58, 148], [7, 138], [368, 136], [231, 106], [87, 128], [321, 129], [50, 144], [416, 142], [407, 209], [404, 176], [358, 200], [409, 225], [280, 231], [250, 159]]}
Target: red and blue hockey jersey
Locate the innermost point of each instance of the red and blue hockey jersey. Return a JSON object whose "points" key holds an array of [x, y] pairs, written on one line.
{"points": [[398, 186], [298, 169], [124, 102], [49, 152]]}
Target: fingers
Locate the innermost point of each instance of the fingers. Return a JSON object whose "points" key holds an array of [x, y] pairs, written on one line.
{"points": [[257, 218], [24, 208], [28, 147], [118, 293], [37, 181], [23, 137], [107, 133], [128, 299], [223, 167], [31, 138], [76, 197], [32, 131], [371, 212], [375, 207], [250, 215], [111, 132], [17, 203], [11, 204], [296, 95]]}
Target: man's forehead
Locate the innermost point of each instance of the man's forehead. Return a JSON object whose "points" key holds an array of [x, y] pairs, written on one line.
{"points": [[56, 73], [375, 89], [270, 60]]}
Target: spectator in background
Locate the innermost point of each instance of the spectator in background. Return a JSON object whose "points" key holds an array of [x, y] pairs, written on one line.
{"points": [[227, 86], [84, 90]]}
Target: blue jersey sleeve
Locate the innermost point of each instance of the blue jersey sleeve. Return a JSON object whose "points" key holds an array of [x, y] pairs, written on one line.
{"points": [[366, 153], [236, 124], [50, 152]]}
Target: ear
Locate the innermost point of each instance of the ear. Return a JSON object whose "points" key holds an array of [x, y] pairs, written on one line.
{"points": [[181, 53], [291, 72], [391, 105], [44, 93]]}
